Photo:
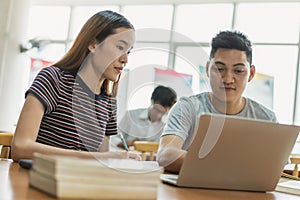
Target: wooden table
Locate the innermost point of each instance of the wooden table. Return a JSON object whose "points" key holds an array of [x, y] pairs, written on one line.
{"points": [[14, 186]]}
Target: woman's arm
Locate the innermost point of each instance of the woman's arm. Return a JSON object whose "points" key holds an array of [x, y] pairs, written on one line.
{"points": [[105, 144], [24, 142], [170, 154]]}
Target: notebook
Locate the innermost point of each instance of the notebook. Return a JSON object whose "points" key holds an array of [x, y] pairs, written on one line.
{"points": [[235, 154]]}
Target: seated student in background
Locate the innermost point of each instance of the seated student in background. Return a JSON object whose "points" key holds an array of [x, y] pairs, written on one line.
{"points": [[147, 123], [70, 109], [229, 70]]}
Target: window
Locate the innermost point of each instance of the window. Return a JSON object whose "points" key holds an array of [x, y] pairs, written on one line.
{"points": [[192, 60], [44, 25], [49, 22], [149, 16], [278, 22], [81, 14], [279, 62], [173, 35], [144, 54], [201, 21]]}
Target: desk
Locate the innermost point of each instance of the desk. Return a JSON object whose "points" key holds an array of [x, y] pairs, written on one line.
{"points": [[14, 186]]}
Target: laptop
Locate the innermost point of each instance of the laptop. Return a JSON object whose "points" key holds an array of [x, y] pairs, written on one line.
{"points": [[235, 154]]}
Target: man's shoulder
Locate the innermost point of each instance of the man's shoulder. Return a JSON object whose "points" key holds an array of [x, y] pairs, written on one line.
{"points": [[200, 98], [195, 97], [261, 111], [257, 104]]}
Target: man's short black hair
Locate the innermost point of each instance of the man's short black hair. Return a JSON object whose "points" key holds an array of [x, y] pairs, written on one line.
{"points": [[232, 40], [164, 96]]}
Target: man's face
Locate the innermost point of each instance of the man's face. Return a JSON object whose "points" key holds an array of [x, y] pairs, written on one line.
{"points": [[229, 71]]}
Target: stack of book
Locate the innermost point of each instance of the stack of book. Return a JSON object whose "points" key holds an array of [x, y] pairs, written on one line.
{"points": [[70, 177]]}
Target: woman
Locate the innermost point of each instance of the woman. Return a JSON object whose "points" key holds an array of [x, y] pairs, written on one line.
{"points": [[70, 109]]}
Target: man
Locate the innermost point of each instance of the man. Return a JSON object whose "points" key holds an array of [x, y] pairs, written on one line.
{"points": [[147, 123], [229, 70]]}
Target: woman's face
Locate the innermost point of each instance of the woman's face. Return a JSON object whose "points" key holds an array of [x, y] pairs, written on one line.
{"points": [[111, 55]]}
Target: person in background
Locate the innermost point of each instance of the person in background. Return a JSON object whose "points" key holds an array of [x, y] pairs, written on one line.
{"points": [[147, 123], [229, 70], [70, 108]]}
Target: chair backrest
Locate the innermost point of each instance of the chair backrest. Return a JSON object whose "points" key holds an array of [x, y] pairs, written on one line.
{"points": [[147, 148], [5, 142]]}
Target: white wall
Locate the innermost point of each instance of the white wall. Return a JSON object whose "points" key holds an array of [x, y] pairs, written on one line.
{"points": [[14, 66]]}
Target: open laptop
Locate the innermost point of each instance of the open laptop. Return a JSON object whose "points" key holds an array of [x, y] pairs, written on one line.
{"points": [[235, 154]]}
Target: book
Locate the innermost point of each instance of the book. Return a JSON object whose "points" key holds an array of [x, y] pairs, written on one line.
{"points": [[71, 177], [288, 185]]}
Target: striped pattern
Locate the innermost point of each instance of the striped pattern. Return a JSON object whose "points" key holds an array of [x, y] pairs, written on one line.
{"points": [[74, 118]]}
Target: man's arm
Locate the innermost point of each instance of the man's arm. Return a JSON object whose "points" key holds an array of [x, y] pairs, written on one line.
{"points": [[170, 155]]}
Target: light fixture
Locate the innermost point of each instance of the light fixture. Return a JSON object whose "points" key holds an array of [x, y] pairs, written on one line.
{"points": [[36, 42]]}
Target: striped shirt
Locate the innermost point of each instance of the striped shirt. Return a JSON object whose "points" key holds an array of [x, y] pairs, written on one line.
{"points": [[74, 118]]}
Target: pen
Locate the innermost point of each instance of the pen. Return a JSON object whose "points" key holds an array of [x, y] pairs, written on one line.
{"points": [[123, 141]]}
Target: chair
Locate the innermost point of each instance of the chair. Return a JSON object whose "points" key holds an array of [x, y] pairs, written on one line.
{"points": [[295, 160], [5, 142], [148, 149]]}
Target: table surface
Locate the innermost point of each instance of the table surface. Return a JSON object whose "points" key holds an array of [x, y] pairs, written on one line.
{"points": [[14, 186]]}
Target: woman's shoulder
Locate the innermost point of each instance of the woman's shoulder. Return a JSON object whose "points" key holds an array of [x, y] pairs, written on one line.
{"points": [[54, 72], [50, 69], [49, 72]]}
